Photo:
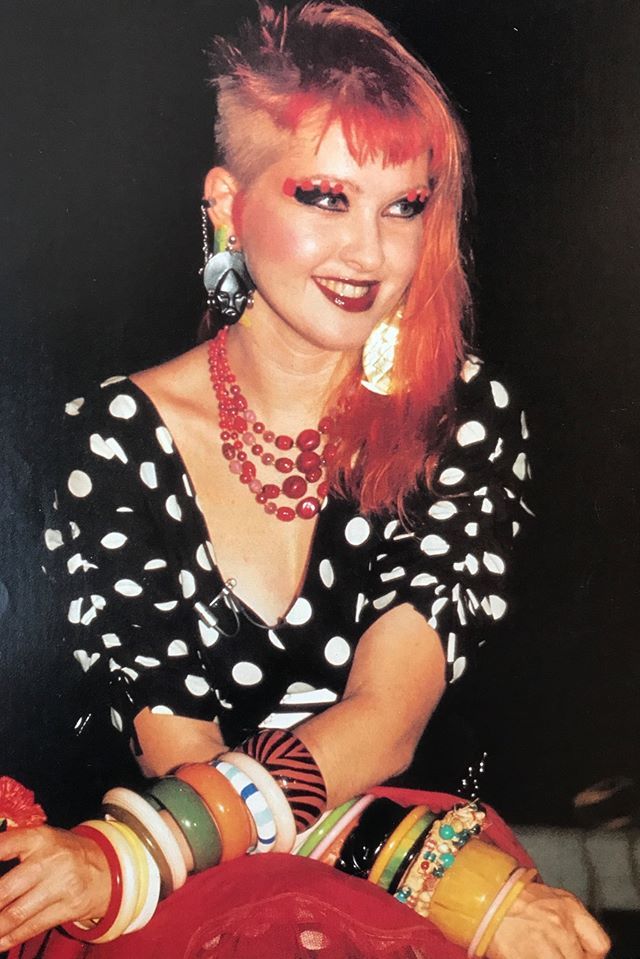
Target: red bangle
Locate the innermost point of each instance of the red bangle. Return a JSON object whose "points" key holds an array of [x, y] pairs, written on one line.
{"points": [[103, 925]]}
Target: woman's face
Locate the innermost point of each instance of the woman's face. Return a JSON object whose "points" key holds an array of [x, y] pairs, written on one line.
{"points": [[330, 265]]}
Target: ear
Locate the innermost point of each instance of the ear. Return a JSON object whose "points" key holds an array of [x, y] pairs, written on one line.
{"points": [[220, 189]]}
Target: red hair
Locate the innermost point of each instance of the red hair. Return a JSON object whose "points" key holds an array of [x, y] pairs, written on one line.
{"points": [[339, 63]]}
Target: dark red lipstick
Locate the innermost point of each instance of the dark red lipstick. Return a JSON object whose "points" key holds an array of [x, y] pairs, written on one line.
{"points": [[340, 298]]}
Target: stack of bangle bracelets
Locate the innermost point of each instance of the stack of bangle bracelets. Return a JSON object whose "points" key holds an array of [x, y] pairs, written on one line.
{"points": [[269, 795]]}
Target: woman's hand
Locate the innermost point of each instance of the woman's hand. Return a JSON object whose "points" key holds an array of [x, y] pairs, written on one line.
{"points": [[60, 877], [546, 923]]}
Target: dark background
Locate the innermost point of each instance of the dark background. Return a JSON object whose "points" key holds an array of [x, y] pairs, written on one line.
{"points": [[106, 130]]}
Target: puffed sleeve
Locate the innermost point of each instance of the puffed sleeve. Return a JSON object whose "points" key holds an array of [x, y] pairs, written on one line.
{"points": [[120, 591], [453, 561]]}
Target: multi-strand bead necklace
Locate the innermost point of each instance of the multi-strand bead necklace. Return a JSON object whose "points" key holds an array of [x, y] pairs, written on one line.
{"points": [[244, 438]]}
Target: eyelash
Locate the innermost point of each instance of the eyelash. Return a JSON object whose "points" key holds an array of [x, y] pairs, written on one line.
{"points": [[314, 196]]}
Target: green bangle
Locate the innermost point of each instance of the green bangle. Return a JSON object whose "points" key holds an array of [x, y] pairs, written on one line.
{"points": [[323, 828], [397, 865], [192, 816], [124, 816]]}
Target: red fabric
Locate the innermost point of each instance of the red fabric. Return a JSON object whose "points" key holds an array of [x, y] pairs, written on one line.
{"points": [[281, 907]]}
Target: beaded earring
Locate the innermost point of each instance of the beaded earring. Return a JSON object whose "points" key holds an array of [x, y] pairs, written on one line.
{"points": [[378, 354], [225, 275]]}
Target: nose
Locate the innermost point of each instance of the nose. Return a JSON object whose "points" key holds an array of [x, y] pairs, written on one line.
{"points": [[362, 248]]}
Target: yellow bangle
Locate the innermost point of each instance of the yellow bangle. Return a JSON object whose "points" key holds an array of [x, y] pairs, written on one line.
{"points": [[501, 912], [394, 841], [465, 892], [142, 867], [129, 891]]}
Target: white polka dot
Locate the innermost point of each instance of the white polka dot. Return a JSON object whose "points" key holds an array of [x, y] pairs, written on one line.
{"points": [[471, 529], [524, 429], [208, 634], [164, 439], [337, 651], [79, 483], [515, 528], [113, 540], [73, 407], [439, 605], [327, 574], [300, 612], [187, 582], [116, 719], [197, 685], [149, 661], [162, 711], [451, 476], [76, 562], [487, 506], [211, 552], [173, 508], [274, 639], [357, 531], [423, 579], [500, 395], [246, 674], [155, 564], [111, 380], [53, 538], [86, 661], [471, 432], [299, 688], [434, 545], [472, 563], [187, 485], [98, 445], [167, 606], [177, 647], [494, 606], [148, 474], [110, 639], [497, 451], [127, 587], [75, 530], [443, 509], [390, 528], [459, 667], [494, 563], [526, 508], [521, 466], [396, 573], [470, 369], [123, 407], [124, 509], [383, 601], [202, 557], [75, 608]]}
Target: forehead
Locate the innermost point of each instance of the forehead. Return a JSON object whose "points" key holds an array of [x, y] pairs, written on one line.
{"points": [[312, 151]]}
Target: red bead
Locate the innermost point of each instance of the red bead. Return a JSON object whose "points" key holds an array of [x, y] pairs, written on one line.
{"points": [[285, 513], [323, 490], [224, 435], [314, 475], [308, 461], [235, 389], [284, 442], [308, 440], [241, 403], [284, 464], [257, 449], [248, 469], [330, 451], [325, 425], [270, 508], [270, 490], [289, 187], [234, 436], [294, 487], [307, 508], [261, 498], [241, 455], [240, 424], [306, 185], [325, 186], [267, 458], [337, 188], [228, 451], [245, 478], [258, 427], [269, 435], [412, 195]]}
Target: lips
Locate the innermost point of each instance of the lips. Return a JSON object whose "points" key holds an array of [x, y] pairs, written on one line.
{"points": [[347, 295]]}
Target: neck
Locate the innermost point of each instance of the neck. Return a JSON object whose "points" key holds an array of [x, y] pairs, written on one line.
{"points": [[287, 381]]}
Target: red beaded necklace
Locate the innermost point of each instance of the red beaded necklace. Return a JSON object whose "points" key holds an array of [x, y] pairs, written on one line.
{"points": [[242, 434]]}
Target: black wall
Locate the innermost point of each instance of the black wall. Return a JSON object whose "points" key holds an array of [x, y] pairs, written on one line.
{"points": [[106, 130]]}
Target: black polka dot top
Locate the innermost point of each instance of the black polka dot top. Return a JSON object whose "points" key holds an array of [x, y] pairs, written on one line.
{"points": [[150, 620]]}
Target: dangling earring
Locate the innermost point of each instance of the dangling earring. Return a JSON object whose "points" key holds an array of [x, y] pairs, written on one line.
{"points": [[378, 354], [225, 275]]}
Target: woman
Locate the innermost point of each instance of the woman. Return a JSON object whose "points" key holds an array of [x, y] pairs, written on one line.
{"points": [[306, 520]]}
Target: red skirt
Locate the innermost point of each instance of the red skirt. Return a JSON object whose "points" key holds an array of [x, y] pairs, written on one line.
{"points": [[281, 907]]}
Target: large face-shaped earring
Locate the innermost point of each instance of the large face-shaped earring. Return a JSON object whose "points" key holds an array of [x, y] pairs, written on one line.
{"points": [[378, 354], [225, 275]]}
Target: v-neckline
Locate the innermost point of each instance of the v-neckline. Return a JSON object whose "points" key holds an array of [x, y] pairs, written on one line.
{"points": [[204, 528]]}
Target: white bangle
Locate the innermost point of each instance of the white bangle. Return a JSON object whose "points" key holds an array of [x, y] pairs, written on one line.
{"points": [[153, 896], [253, 800], [275, 798]]}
